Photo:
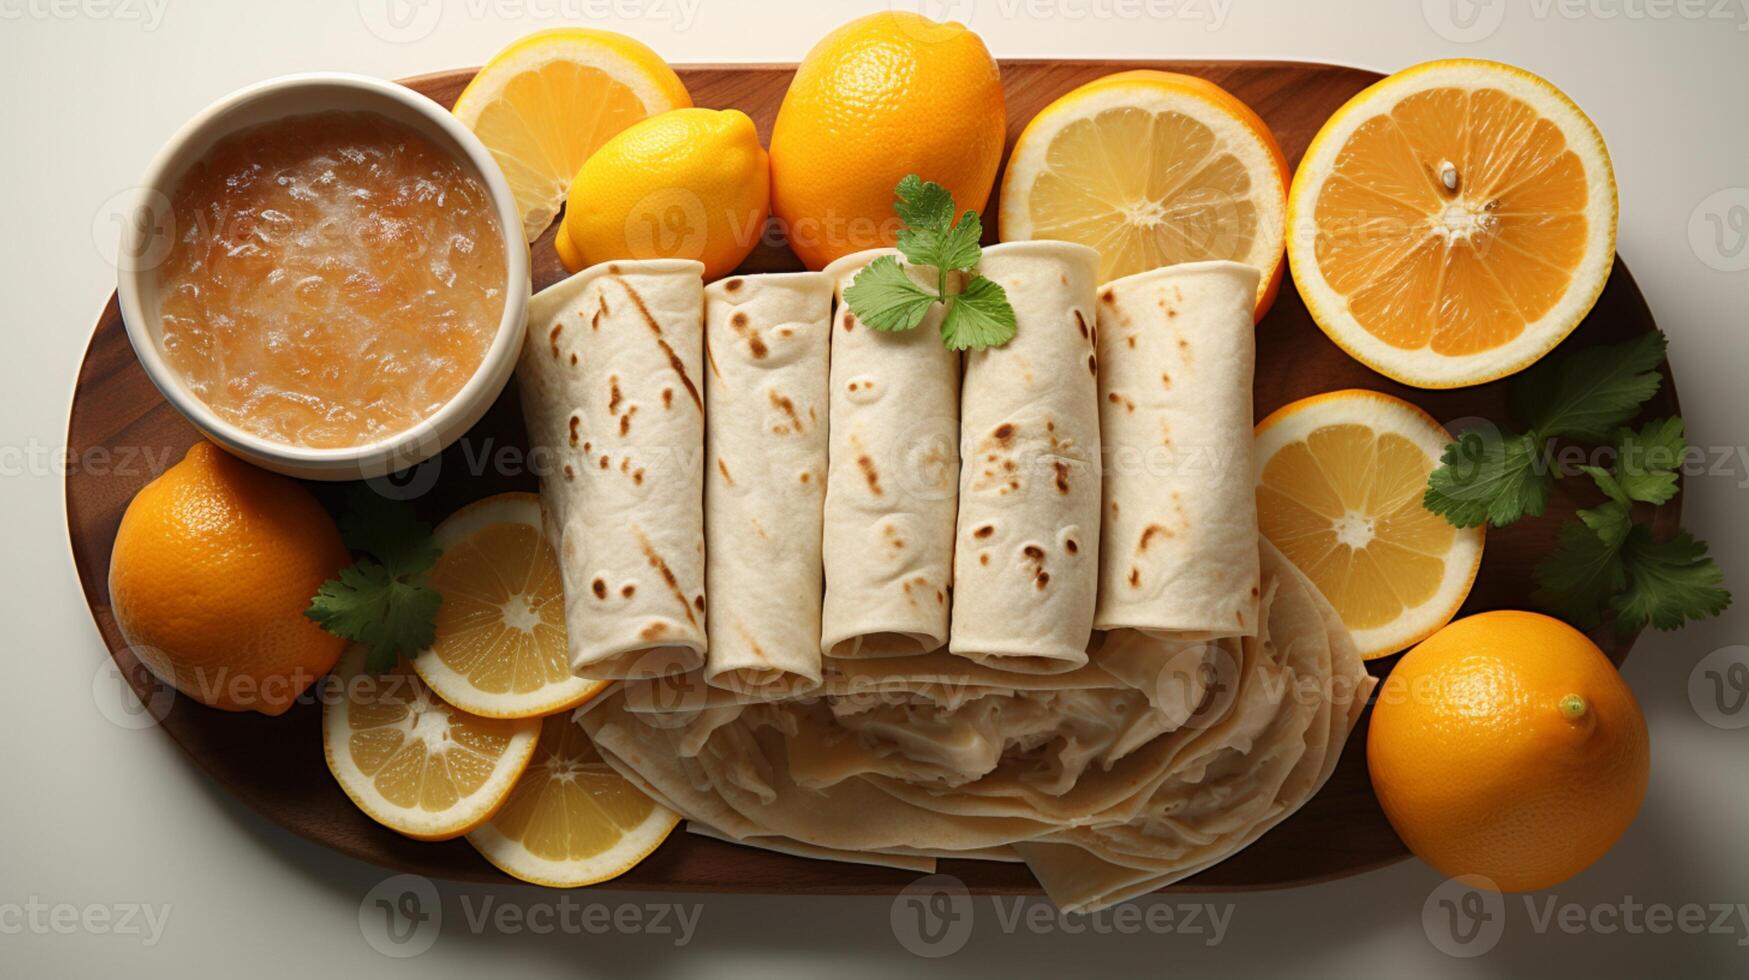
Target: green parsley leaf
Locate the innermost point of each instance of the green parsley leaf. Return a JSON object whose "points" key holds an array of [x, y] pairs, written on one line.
{"points": [[1668, 582], [1587, 394], [1647, 460], [1577, 579], [388, 529], [884, 297], [381, 600], [923, 204], [944, 248], [1610, 521], [1492, 479], [979, 316]]}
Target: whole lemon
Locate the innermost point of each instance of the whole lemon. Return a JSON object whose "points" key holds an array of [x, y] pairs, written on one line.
{"points": [[684, 184], [213, 566], [888, 95], [1506, 745]]}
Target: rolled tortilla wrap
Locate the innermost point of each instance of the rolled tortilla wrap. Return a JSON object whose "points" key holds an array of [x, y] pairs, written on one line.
{"points": [[766, 341], [890, 492], [1178, 545], [1026, 557], [610, 392]]}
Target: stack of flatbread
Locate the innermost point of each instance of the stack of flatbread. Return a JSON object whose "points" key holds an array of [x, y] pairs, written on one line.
{"points": [[869, 601]]}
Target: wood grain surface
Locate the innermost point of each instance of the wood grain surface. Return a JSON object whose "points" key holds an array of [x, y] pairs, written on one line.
{"points": [[121, 434]]}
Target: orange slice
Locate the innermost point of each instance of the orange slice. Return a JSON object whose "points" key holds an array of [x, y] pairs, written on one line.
{"points": [[549, 100], [1151, 168], [1453, 223], [411, 762], [572, 820], [1339, 485], [500, 650]]}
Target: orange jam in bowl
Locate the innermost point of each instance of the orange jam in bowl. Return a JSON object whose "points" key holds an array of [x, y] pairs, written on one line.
{"points": [[335, 278]]}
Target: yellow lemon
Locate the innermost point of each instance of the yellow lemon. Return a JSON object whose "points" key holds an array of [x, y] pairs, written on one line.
{"points": [[687, 184], [546, 102]]}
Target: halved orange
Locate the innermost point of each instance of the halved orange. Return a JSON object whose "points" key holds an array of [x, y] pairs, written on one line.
{"points": [[412, 762], [546, 102], [1151, 168], [1339, 484], [1452, 223], [572, 820], [500, 650]]}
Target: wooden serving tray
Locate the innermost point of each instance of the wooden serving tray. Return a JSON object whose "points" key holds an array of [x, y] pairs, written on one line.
{"points": [[276, 766]]}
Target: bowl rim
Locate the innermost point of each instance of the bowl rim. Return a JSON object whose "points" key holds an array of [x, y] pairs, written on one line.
{"points": [[399, 450]]}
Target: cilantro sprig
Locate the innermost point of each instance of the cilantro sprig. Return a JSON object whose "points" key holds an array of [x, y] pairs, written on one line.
{"points": [[885, 297], [1604, 560], [381, 599]]}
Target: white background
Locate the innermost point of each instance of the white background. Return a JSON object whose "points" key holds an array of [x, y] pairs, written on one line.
{"points": [[95, 816]]}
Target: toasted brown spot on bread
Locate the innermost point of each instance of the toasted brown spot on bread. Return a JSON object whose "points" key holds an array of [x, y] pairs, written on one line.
{"points": [[733, 285], [984, 531], [667, 397], [849, 321], [604, 462], [600, 310], [723, 468], [587, 448], [787, 407], [638, 477], [653, 630], [575, 422], [805, 476], [674, 360], [599, 587], [628, 590], [1034, 552], [1165, 379], [1071, 547], [1003, 432], [625, 421], [553, 339], [1148, 534], [570, 474], [1107, 297], [1135, 577], [983, 559], [1062, 469], [1255, 592], [573, 359], [699, 602], [1041, 580], [656, 561], [1093, 363], [1131, 340], [613, 393], [1081, 325], [868, 473], [613, 269]]}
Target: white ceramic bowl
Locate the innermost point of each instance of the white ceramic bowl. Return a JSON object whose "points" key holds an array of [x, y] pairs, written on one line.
{"points": [[146, 237]]}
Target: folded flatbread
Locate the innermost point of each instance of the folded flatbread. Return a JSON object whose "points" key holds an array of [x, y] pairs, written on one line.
{"points": [[1178, 543], [766, 341], [890, 495], [1026, 556], [610, 380], [1017, 765]]}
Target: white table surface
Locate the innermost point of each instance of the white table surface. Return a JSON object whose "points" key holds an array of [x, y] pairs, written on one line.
{"points": [[96, 819]]}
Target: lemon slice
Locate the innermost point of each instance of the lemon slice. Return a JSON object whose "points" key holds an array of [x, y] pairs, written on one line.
{"points": [[1339, 485], [500, 650], [572, 820], [547, 101], [411, 762], [1152, 168], [1453, 223]]}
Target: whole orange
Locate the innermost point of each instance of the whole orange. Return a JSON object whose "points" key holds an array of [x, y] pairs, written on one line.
{"points": [[887, 95], [213, 566], [1506, 745]]}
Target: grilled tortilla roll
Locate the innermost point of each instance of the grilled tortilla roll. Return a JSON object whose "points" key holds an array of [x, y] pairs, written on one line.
{"points": [[1178, 548], [766, 340], [1026, 555], [894, 468], [610, 379]]}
